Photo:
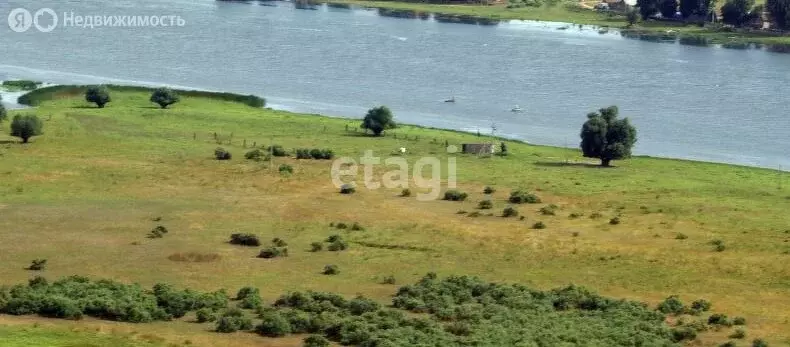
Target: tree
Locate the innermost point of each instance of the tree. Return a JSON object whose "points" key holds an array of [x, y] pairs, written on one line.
{"points": [[3, 112], [738, 12], [607, 138], [695, 7], [647, 8], [164, 97], [668, 8], [378, 119], [780, 12], [26, 127], [97, 95]]}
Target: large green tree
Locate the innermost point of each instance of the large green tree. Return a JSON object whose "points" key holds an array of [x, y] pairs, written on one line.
{"points": [[647, 8], [3, 112], [26, 126], [668, 8], [378, 119], [97, 95], [695, 7], [164, 97], [606, 137], [739, 12], [780, 12]]}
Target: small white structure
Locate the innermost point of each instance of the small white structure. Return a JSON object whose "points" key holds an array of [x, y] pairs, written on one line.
{"points": [[403, 149]]}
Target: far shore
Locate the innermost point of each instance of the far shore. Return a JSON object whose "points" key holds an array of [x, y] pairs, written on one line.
{"points": [[578, 14]]}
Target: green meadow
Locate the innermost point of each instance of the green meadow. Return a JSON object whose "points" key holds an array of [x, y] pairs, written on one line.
{"points": [[86, 194]]}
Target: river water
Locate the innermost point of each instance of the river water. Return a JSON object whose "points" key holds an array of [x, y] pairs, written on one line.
{"points": [[690, 102]]}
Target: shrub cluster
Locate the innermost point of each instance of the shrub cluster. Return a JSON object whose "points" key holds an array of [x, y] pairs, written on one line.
{"points": [[245, 240], [509, 212], [315, 153], [257, 155], [37, 264], [221, 154], [277, 151], [549, 210], [347, 189], [523, 197], [75, 297], [157, 232], [455, 195], [233, 320], [331, 270], [286, 169], [485, 205]]}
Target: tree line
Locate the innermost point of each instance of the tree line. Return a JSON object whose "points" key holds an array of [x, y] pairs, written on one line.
{"points": [[734, 12]]}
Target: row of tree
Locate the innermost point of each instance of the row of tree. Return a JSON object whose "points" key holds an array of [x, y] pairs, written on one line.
{"points": [[604, 135], [734, 12], [100, 96]]}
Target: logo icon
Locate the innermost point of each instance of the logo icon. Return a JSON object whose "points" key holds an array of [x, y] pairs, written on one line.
{"points": [[20, 20], [53, 17]]}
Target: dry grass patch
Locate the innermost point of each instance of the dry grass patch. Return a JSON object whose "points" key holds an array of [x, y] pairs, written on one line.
{"points": [[195, 257]]}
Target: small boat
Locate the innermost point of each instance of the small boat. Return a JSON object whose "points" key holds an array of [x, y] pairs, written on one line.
{"points": [[516, 109], [450, 100]]}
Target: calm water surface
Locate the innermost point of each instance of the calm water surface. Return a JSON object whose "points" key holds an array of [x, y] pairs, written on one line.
{"points": [[688, 102]]}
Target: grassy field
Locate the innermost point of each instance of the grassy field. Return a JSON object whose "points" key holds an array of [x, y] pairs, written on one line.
{"points": [[571, 12], [85, 194]]}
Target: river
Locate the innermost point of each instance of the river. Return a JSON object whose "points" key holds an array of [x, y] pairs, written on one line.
{"points": [[702, 103]]}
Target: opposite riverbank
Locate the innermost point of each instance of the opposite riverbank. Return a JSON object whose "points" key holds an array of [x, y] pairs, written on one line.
{"points": [[574, 13]]}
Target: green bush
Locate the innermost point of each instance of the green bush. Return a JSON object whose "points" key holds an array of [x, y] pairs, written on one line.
{"points": [[357, 227], [509, 212], [337, 245], [759, 343], [455, 195], [539, 225], [37, 264], [273, 252], [739, 321], [230, 324], [683, 334], [247, 292], [158, 232], [315, 341], [738, 334], [278, 242], [347, 189], [523, 197], [549, 210], [614, 221], [341, 225], [245, 240], [701, 305], [273, 325], [728, 344], [719, 319], [316, 247], [256, 155], [164, 97], [21, 84], [681, 236], [286, 169], [303, 153], [388, 280], [204, 315], [331, 270], [671, 305], [98, 95], [485, 205], [406, 192], [334, 238], [26, 126], [277, 151], [489, 190], [221, 154]]}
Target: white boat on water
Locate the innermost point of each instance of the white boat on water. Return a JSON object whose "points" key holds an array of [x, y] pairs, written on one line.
{"points": [[516, 109]]}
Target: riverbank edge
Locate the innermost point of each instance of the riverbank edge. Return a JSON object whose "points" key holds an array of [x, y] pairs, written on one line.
{"points": [[50, 93], [728, 38]]}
